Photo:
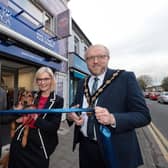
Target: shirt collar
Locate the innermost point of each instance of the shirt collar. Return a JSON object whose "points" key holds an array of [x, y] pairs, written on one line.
{"points": [[101, 77]]}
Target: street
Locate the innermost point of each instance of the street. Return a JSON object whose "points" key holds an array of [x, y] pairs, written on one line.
{"points": [[159, 113]]}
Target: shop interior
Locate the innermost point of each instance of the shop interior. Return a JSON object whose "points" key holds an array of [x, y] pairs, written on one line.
{"points": [[15, 76]]}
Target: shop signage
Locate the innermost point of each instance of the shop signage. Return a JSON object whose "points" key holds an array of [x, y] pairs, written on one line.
{"points": [[5, 16], [20, 24]]}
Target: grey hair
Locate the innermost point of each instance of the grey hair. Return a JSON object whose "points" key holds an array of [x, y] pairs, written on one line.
{"points": [[98, 46]]}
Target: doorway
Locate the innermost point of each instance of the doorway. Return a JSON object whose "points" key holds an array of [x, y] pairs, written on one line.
{"points": [[15, 76]]}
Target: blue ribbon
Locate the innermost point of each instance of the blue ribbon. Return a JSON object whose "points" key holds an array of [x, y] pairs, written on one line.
{"points": [[105, 132], [109, 150], [42, 111]]}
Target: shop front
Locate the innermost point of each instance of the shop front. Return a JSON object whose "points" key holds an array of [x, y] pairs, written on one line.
{"points": [[24, 47], [26, 43], [78, 70]]}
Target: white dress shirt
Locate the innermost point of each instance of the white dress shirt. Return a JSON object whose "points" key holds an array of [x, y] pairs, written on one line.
{"points": [[85, 104]]}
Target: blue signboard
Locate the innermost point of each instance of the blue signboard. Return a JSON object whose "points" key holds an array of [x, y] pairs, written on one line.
{"points": [[20, 24]]}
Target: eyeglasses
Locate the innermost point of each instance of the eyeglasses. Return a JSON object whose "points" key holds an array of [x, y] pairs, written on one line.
{"points": [[40, 80], [98, 57]]}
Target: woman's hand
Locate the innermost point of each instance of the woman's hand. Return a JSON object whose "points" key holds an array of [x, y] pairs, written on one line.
{"points": [[27, 119], [19, 106]]}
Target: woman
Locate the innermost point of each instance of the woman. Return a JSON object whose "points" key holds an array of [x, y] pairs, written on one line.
{"points": [[42, 137]]}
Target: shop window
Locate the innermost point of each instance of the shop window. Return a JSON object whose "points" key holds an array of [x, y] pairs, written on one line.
{"points": [[76, 45], [47, 22], [85, 48], [34, 13]]}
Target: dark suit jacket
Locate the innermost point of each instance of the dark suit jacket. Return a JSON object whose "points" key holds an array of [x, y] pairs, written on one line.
{"points": [[124, 99]]}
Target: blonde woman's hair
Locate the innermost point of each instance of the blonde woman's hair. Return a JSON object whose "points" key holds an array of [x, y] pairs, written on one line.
{"points": [[51, 74]]}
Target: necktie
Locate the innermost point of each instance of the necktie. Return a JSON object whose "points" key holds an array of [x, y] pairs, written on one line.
{"points": [[94, 86], [91, 118]]}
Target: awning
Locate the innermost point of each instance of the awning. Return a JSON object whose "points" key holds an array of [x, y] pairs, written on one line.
{"points": [[78, 74]]}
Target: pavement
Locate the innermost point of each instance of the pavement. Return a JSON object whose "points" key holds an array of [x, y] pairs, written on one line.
{"points": [[63, 157]]}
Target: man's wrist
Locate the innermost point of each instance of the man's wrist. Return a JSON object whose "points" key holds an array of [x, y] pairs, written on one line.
{"points": [[113, 121]]}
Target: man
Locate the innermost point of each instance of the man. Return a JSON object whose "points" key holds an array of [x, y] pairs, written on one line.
{"points": [[5, 121], [118, 104], [3, 105]]}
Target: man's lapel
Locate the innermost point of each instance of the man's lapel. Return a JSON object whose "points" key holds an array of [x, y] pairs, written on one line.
{"points": [[108, 74]]}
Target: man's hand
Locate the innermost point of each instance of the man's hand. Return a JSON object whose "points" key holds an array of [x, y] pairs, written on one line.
{"points": [[74, 117], [104, 116]]}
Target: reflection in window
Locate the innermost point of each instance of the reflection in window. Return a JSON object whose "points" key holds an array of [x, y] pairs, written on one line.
{"points": [[47, 22]]}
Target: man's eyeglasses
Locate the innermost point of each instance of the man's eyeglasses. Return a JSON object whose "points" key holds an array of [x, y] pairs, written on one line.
{"points": [[98, 57], [40, 80]]}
